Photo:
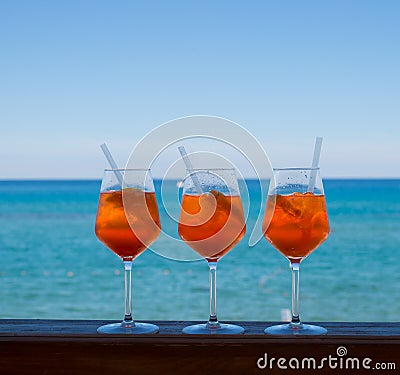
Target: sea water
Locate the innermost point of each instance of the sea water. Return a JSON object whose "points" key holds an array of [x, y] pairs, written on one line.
{"points": [[53, 266]]}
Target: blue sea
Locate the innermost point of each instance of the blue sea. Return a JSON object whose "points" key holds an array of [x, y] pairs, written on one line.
{"points": [[53, 266]]}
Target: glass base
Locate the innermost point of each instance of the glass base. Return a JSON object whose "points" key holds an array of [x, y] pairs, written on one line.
{"points": [[295, 329], [128, 329], [206, 329]]}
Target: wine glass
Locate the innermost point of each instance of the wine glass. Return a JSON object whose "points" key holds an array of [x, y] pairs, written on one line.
{"points": [[127, 223], [211, 222], [296, 223]]}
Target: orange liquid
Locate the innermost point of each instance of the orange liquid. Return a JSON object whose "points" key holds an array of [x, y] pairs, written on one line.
{"points": [[299, 224], [212, 223], [112, 225]]}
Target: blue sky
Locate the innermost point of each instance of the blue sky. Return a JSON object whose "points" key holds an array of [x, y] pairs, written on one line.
{"points": [[74, 74]]}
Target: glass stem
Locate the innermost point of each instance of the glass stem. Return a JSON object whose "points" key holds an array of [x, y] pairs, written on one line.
{"points": [[213, 320], [295, 323], [128, 321]]}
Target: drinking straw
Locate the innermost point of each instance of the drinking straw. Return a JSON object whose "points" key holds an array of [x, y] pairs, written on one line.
{"points": [[315, 162], [112, 162], [189, 167]]}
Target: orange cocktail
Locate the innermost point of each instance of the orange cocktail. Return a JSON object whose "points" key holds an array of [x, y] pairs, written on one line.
{"points": [[298, 223], [127, 222], [113, 225], [211, 223]]}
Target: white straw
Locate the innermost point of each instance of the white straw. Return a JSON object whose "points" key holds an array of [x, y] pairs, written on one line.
{"points": [[315, 163], [112, 162], [189, 167]]}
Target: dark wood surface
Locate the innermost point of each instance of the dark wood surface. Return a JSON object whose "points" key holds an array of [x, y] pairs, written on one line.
{"points": [[74, 347]]}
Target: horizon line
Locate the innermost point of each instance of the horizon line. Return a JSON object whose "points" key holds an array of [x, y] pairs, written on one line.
{"points": [[6, 179]]}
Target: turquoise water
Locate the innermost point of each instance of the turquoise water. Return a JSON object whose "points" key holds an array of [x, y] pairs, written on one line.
{"points": [[53, 266]]}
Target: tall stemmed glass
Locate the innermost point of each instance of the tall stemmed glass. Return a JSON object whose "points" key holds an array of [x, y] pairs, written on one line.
{"points": [[211, 222], [296, 223], [127, 223]]}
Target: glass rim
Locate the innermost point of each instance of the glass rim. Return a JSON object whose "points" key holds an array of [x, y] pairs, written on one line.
{"points": [[126, 169], [209, 169], [296, 169]]}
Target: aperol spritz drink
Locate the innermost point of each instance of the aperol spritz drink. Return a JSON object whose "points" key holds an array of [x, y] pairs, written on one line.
{"points": [[212, 222], [127, 222], [296, 223], [112, 226], [299, 223]]}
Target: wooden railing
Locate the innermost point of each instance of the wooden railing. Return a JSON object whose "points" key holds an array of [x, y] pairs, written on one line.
{"points": [[74, 347]]}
